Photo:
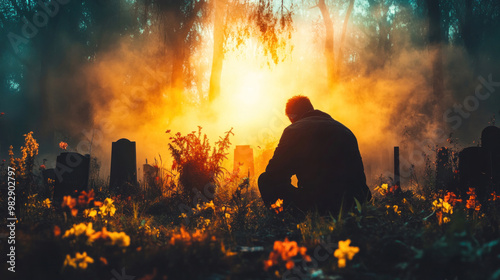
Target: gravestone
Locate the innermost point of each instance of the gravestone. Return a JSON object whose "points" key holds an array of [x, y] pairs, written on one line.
{"points": [[123, 166], [149, 173], [490, 140], [474, 168], [444, 171], [71, 174], [243, 158]]}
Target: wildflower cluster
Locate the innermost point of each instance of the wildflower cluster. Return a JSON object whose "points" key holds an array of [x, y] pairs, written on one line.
{"points": [[79, 229], [24, 164], [394, 208], [63, 145], [451, 198], [472, 202], [345, 252], [494, 197], [119, 239], [199, 211], [283, 252], [85, 200], [106, 209], [187, 238], [442, 207], [385, 190], [80, 261]]}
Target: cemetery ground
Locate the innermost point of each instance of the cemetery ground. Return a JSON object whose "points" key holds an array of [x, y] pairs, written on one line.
{"points": [[166, 232]]}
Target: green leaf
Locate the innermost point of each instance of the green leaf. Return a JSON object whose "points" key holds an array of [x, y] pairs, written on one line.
{"points": [[358, 205]]}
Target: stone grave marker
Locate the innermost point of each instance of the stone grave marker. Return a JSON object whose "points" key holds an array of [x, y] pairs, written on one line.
{"points": [[123, 166], [474, 169], [243, 158], [490, 140], [71, 174]]}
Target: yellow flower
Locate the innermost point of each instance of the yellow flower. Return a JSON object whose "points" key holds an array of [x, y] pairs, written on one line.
{"points": [[228, 215], [209, 205], [80, 261], [90, 213], [383, 190], [107, 208], [395, 207], [447, 208], [345, 252], [120, 239], [80, 229], [47, 203], [441, 205], [446, 220]]}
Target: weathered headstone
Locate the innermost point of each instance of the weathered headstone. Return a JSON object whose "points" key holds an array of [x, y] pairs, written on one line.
{"points": [[243, 159], [71, 174], [150, 173], [444, 170], [123, 165], [474, 167], [490, 140]]}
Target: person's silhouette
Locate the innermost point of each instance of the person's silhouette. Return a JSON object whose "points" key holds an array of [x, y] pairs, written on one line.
{"points": [[324, 156]]}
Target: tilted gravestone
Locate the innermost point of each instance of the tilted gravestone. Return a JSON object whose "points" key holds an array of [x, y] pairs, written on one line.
{"points": [[71, 174], [490, 140], [243, 159], [123, 166], [444, 170]]}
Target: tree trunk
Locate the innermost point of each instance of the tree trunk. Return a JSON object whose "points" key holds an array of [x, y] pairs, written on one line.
{"points": [[177, 75], [435, 40], [342, 37], [218, 54], [329, 54]]}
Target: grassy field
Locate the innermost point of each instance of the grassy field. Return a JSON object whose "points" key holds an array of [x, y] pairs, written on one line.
{"points": [[230, 234]]}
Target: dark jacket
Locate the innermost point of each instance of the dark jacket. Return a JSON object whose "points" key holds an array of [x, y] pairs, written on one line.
{"points": [[324, 156]]}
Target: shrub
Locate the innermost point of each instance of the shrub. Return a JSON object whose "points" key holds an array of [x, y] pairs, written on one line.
{"points": [[198, 167]]}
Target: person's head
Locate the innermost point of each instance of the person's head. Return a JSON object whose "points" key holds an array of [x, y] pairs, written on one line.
{"points": [[297, 107]]}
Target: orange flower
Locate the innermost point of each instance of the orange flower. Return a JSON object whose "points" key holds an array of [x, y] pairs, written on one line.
{"points": [[85, 198], [103, 260], [494, 196], [277, 206], [69, 202], [187, 238], [472, 202], [285, 251], [57, 231], [63, 145], [451, 198]]}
